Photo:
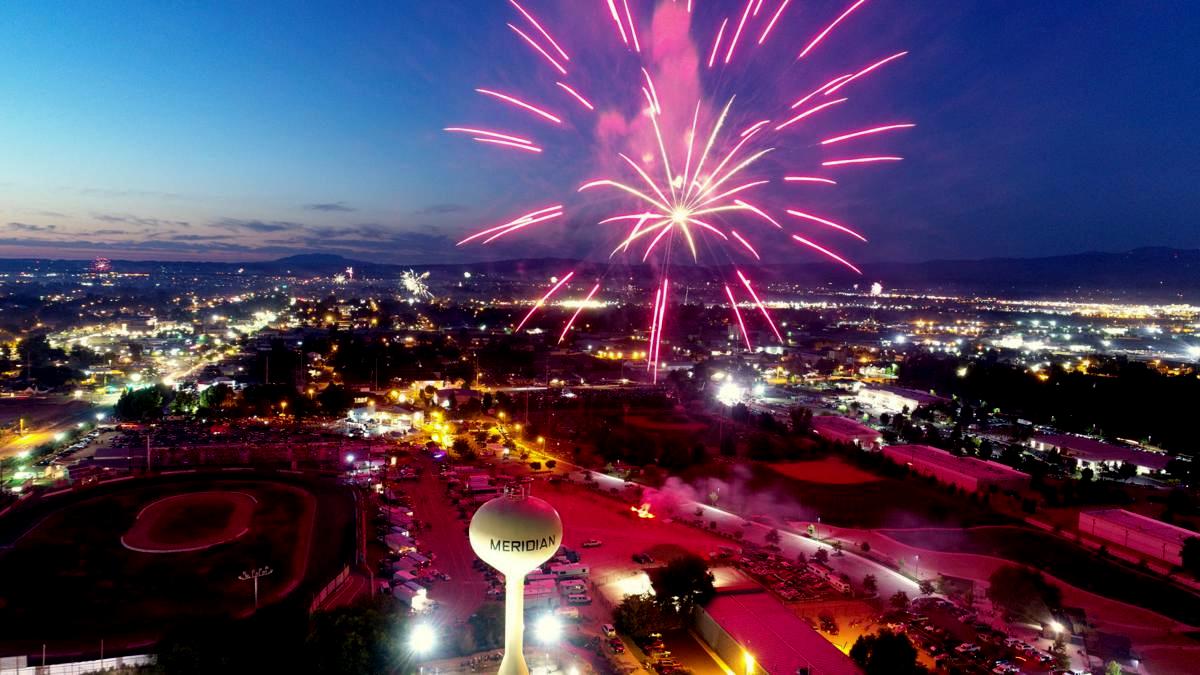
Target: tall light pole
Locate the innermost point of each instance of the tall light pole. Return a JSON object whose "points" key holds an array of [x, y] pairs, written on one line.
{"points": [[254, 575]]}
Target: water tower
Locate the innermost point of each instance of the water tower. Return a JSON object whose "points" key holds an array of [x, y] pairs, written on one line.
{"points": [[515, 533]]}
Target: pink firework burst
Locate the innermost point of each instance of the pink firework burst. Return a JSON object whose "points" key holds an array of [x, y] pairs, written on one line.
{"points": [[691, 183]]}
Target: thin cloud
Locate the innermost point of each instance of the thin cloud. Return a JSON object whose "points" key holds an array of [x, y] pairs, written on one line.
{"points": [[235, 224], [30, 227], [330, 207]]}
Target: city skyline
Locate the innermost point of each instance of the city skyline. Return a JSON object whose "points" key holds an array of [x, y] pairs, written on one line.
{"points": [[143, 137]]}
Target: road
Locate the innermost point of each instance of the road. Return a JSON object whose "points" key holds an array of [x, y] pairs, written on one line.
{"points": [[44, 417]]}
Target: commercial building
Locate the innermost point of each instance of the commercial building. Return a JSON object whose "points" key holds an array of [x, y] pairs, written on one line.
{"points": [[755, 633], [1095, 455], [1154, 538], [845, 430], [896, 399], [968, 473]]}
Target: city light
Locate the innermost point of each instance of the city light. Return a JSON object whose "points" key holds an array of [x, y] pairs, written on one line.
{"points": [[423, 639], [730, 393]]}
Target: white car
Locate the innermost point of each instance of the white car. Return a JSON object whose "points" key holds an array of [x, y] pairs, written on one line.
{"points": [[592, 543]]}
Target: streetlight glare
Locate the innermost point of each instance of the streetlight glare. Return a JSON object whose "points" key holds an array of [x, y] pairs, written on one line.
{"points": [[423, 638], [548, 629]]}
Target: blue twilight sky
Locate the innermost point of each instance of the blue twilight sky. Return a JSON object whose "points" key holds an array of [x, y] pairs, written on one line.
{"points": [[250, 130]]}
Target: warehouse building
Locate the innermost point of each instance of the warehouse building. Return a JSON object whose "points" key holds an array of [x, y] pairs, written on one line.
{"points": [[968, 473], [1154, 538], [845, 430]]}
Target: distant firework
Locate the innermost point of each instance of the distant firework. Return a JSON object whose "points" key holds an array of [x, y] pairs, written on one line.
{"points": [[692, 181], [100, 266], [415, 284]]}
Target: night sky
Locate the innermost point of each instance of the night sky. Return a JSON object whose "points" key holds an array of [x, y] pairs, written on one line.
{"points": [[152, 130]]}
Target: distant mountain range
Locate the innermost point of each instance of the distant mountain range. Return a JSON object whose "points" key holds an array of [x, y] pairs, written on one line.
{"points": [[1161, 274]]}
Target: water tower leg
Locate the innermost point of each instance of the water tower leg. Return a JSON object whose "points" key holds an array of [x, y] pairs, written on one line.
{"points": [[514, 627]]}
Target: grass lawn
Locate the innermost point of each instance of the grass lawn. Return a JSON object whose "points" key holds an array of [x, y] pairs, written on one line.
{"points": [[1073, 564], [828, 470]]}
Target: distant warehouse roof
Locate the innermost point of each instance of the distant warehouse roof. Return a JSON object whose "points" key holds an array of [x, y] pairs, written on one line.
{"points": [[1135, 531], [967, 472], [844, 430], [780, 642], [1092, 450]]}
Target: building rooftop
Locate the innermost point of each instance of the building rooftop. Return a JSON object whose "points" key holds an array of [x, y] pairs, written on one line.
{"points": [[842, 425], [1144, 524], [1099, 451], [922, 398], [970, 466], [779, 641]]}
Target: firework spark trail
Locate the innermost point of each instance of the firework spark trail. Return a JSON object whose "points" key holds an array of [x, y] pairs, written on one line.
{"points": [[520, 226], [809, 179], [737, 34], [586, 103], [827, 252], [825, 32], [520, 219], [571, 322], [529, 17], [759, 212], [612, 8], [860, 160], [745, 243], [775, 18], [866, 132], [653, 92], [509, 144], [862, 72], [754, 127], [761, 307], [492, 134], [712, 58], [532, 43], [561, 282], [820, 89], [660, 320], [738, 313], [828, 223], [637, 47], [521, 104], [811, 111]]}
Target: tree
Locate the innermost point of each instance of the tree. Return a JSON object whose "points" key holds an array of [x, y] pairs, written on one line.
{"points": [[1191, 555], [1023, 593], [487, 624], [821, 556], [772, 537], [356, 639], [926, 587], [870, 585], [137, 405], [335, 400], [638, 616], [886, 653], [801, 418], [899, 600], [837, 548], [685, 581], [461, 445], [1113, 668]]}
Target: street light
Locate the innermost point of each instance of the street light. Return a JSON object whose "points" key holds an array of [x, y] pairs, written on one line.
{"points": [[548, 629], [748, 658], [423, 639]]}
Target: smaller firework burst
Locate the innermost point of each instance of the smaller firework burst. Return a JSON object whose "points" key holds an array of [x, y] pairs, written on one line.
{"points": [[415, 284]]}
